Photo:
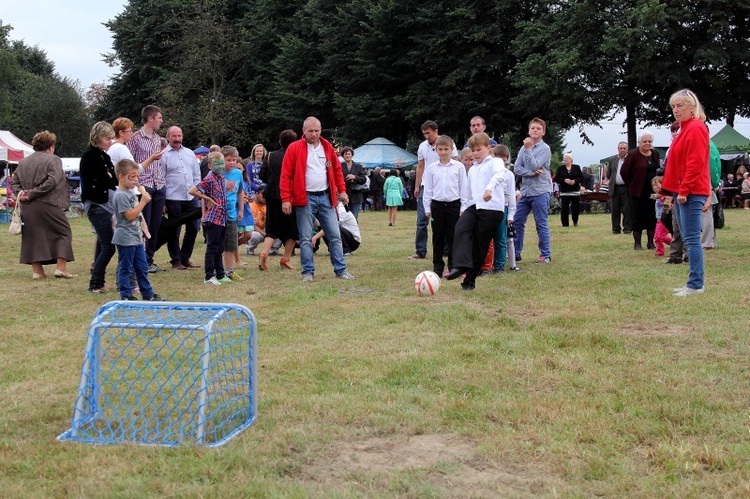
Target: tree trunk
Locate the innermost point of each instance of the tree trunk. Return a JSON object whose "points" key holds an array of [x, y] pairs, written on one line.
{"points": [[730, 117], [630, 123]]}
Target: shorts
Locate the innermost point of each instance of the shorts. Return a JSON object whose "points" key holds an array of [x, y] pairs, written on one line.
{"points": [[245, 228], [230, 242], [745, 195]]}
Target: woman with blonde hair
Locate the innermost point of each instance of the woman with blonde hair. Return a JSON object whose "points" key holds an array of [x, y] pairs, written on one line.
{"points": [[257, 157], [686, 178], [39, 184]]}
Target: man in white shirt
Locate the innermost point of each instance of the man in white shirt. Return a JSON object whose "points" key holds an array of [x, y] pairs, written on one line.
{"points": [[351, 237], [182, 172], [618, 191]]}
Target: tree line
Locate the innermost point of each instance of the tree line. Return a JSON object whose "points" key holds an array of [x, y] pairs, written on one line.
{"points": [[239, 72]]}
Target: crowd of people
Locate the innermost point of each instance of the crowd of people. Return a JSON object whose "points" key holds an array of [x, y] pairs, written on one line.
{"points": [[141, 191]]}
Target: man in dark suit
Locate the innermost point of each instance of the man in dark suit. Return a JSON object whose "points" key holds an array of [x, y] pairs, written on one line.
{"points": [[618, 191]]}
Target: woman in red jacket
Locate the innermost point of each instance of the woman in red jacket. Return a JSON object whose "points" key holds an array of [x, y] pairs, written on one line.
{"points": [[687, 179]]}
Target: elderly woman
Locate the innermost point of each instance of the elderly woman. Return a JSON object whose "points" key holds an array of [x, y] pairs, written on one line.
{"points": [[40, 186], [355, 177], [569, 178], [638, 169], [687, 179], [98, 182]]}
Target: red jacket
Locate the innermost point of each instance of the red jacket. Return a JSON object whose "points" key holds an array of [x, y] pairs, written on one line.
{"points": [[687, 162], [292, 184]]}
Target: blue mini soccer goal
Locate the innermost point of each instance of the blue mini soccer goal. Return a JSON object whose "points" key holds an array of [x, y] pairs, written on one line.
{"points": [[167, 373]]}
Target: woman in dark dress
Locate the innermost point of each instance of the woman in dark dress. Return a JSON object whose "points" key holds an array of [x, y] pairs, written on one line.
{"points": [[39, 184], [569, 178], [278, 225], [638, 168]]}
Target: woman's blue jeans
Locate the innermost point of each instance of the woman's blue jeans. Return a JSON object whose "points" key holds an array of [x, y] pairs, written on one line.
{"points": [[689, 217]]}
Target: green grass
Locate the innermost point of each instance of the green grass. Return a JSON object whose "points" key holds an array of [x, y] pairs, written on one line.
{"points": [[583, 377]]}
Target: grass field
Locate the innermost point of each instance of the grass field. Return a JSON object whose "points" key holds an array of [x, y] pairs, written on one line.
{"points": [[583, 377]]}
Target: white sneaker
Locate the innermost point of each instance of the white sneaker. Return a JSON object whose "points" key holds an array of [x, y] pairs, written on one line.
{"points": [[690, 291], [214, 281], [345, 275], [307, 278], [677, 290]]}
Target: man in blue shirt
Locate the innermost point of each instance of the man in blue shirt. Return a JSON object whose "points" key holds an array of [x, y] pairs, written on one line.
{"points": [[182, 173], [532, 165]]}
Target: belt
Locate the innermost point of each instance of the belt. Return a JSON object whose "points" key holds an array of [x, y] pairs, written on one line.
{"points": [[317, 193]]}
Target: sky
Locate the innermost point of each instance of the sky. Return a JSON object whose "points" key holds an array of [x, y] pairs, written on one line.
{"points": [[74, 38]]}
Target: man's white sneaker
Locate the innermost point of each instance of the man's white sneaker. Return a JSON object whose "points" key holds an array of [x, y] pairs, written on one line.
{"points": [[345, 275], [214, 281], [307, 278], [690, 291]]}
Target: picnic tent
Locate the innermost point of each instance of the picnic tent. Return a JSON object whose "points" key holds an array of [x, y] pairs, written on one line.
{"points": [[13, 149], [383, 153], [731, 143]]}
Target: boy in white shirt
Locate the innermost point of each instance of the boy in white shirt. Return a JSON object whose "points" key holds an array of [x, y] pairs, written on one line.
{"points": [[486, 210], [446, 196]]}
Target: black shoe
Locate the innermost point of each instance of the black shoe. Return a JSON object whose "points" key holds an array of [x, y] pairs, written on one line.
{"points": [[485, 273], [674, 261], [156, 298], [129, 298], [467, 287], [498, 271], [626, 231], [454, 274], [518, 258]]}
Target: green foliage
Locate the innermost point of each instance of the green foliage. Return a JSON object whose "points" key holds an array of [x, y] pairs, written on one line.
{"points": [[33, 97]]}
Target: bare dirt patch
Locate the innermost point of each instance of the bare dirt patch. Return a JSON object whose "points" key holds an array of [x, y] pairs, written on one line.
{"points": [[447, 462]]}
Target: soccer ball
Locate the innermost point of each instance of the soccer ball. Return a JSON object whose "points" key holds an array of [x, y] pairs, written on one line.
{"points": [[427, 283]]}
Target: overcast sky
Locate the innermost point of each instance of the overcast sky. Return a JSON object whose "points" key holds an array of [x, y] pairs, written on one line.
{"points": [[74, 38]]}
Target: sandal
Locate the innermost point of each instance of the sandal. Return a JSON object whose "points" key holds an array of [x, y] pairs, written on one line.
{"points": [[263, 262], [36, 276], [59, 274], [285, 264]]}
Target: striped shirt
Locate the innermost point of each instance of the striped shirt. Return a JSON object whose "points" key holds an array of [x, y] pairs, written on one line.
{"points": [[214, 187], [143, 147]]}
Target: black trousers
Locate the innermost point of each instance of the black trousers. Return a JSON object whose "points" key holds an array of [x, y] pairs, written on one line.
{"points": [[565, 202], [444, 218], [474, 231], [348, 243], [620, 207]]}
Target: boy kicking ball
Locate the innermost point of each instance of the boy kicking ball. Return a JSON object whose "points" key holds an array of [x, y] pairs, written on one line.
{"points": [[480, 220]]}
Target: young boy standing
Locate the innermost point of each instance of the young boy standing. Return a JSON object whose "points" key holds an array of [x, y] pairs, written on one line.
{"points": [[235, 207], [479, 221], [446, 196], [213, 191], [128, 237]]}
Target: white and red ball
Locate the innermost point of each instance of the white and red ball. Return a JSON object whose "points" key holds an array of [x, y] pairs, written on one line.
{"points": [[427, 283]]}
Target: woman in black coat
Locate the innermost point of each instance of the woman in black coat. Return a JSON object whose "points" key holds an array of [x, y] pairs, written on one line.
{"points": [[354, 176], [569, 178], [98, 182]]}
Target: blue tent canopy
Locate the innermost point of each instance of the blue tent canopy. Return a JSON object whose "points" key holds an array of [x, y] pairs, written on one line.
{"points": [[383, 153]]}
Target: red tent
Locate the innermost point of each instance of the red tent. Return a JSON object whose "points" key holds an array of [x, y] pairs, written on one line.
{"points": [[13, 149]]}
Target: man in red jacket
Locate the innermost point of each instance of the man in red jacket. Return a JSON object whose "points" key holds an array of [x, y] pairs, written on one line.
{"points": [[312, 182]]}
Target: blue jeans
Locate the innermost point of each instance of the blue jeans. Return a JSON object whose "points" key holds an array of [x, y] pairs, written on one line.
{"points": [[501, 244], [101, 220], [539, 206], [689, 217], [354, 209], [420, 239], [133, 259], [319, 206]]}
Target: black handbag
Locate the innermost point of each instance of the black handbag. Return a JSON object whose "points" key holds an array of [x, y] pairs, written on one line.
{"points": [[718, 216]]}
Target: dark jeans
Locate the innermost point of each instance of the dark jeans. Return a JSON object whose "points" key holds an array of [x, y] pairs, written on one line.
{"points": [[444, 218], [152, 214], [214, 263], [620, 207], [474, 232], [101, 220], [182, 254], [132, 259]]}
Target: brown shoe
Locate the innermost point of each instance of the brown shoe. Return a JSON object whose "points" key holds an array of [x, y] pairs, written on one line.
{"points": [[190, 265], [178, 266]]}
